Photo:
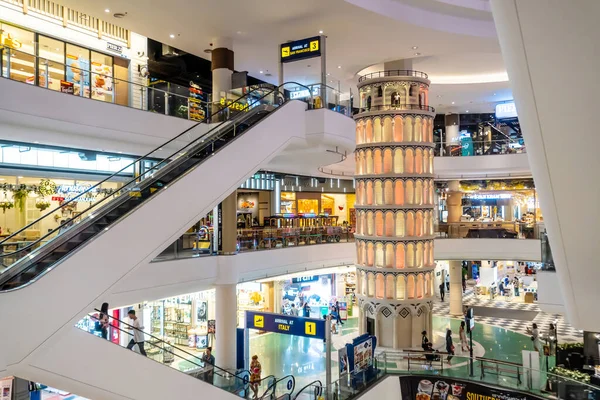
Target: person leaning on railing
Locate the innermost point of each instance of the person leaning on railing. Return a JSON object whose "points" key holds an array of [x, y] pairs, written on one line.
{"points": [[209, 363]]}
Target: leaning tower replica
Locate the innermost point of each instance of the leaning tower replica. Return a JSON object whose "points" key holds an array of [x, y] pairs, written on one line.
{"points": [[394, 206]]}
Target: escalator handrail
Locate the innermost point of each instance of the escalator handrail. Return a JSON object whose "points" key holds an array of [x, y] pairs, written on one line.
{"points": [[274, 385], [316, 383], [163, 342], [135, 179], [124, 168]]}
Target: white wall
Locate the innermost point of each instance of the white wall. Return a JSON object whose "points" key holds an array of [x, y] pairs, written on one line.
{"points": [[387, 389], [550, 297], [171, 278], [79, 362], [492, 166], [88, 275], [559, 127], [488, 249]]}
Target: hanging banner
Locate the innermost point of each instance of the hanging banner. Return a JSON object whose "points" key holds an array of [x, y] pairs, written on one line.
{"points": [[301, 49], [343, 360], [286, 324], [431, 387]]}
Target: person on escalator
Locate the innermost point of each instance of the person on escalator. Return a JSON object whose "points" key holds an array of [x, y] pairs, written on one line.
{"points": [[255, 371], [138, 333]]}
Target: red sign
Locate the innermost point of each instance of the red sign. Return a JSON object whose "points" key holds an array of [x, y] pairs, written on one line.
{"points": [[58, 198], [115, 324]]}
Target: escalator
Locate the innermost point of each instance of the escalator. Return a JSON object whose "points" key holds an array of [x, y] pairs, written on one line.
{"points": [[75, 265], [29, 262]]}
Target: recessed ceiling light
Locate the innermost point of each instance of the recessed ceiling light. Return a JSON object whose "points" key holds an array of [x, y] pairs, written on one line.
{"points": [[321, 32], [328, 74], [467, 110], [452, 102], [417, 54], [172, 36], [494, 94], [339, 66], [415, 47], [107, 10], [260, 72]]}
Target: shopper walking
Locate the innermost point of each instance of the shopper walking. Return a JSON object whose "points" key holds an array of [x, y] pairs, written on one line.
{"points": [[516, 285], [306, 309], [255, 371], [442, 290], [138, 333], [449, 346], [462, 333], [535, 337], [337, 310]]}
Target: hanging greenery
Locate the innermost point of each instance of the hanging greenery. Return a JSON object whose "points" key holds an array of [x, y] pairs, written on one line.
{"points": [[46, 188], [42, 205], [6, 205], [20, 196]]}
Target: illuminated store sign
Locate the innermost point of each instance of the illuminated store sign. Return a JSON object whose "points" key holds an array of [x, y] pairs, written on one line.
{"points": [[234, 106], [301, 49], [302, 279], [490, 196], [299, 326], [73, 189], [300, 94], [506, 110]]}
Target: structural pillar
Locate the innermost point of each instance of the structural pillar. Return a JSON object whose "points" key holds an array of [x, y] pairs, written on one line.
{"points": [[452, 123], [456, 293], [226, 325], [454, 206], [222, 69], [229, 225]]}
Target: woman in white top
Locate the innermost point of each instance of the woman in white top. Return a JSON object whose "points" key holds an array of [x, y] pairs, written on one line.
{"points": [[535, 337]]}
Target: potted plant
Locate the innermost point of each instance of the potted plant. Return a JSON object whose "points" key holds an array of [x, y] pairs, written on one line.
{"points": [[6, 205], [20, 195], [42, 205]]}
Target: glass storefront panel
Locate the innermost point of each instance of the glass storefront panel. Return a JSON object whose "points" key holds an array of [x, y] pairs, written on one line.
{"points": [[19, 64], [102, 77], [78, 69], [51, 62]]}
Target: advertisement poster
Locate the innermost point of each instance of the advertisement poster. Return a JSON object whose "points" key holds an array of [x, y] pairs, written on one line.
{"points": [[467, 146], [6, 387], [78, 72], [67, 87], [102, 83], [433, 388], [212, 326], [202, 311], [343, 360], [363, 356]]}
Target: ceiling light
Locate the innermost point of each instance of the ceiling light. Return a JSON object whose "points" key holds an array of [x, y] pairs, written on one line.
{"points": [[328, 74], [417, 54], [494, 94], [321, 32], [339, 66], [20, 177], [415, 47], [260, 71], [467, 110], [452, 102], [172, 36], [107, 10]]}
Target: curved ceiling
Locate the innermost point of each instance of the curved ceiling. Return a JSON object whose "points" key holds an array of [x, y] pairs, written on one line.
{"points": [[356, 37]]}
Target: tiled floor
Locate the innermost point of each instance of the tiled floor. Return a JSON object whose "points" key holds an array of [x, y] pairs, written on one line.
{"points": [[566, 333]]}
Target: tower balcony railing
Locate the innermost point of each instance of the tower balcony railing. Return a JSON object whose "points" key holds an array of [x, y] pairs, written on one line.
{"points": [[394, 72], [397, 107]]}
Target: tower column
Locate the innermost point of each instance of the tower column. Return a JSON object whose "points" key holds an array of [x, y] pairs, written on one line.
{"points": [[456, 293]]}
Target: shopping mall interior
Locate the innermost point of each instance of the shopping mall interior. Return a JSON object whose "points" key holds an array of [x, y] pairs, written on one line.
{"points": [[399, 225]]}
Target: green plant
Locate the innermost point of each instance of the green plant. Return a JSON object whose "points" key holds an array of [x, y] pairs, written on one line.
{"points": [[570, 346], [42, 205], [20, 195], [6, 205], [182, 112], [567, 373], [46, 188]]}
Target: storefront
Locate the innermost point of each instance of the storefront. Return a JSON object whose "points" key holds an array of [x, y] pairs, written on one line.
{"points": [[290, 293], [55, 49], [340, 205], [183, 321], [253, 206]]}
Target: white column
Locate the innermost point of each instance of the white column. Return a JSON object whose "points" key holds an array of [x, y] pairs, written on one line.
{"points": [[361, 322], [456, 293], [222, 68], [226, 320]]}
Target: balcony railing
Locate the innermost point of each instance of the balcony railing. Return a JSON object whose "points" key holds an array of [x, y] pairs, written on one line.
{"points": [[488, 230], [394, 72], [397, 107]]}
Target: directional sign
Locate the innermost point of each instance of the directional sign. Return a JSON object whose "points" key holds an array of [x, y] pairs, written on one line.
{"points": [[278, 323], [301, 49]]}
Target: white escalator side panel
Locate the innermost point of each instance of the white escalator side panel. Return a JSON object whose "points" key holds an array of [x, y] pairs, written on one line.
{"points": [[89, 366], [85, 277]]}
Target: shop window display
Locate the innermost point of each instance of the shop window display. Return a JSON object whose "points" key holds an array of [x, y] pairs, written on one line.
{"points": [[22, 61], [101, 69], [51, 68]]}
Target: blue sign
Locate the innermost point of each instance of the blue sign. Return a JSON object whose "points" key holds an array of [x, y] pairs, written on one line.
{"points": [[301, 279], [278, 323], [467, 146]]}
